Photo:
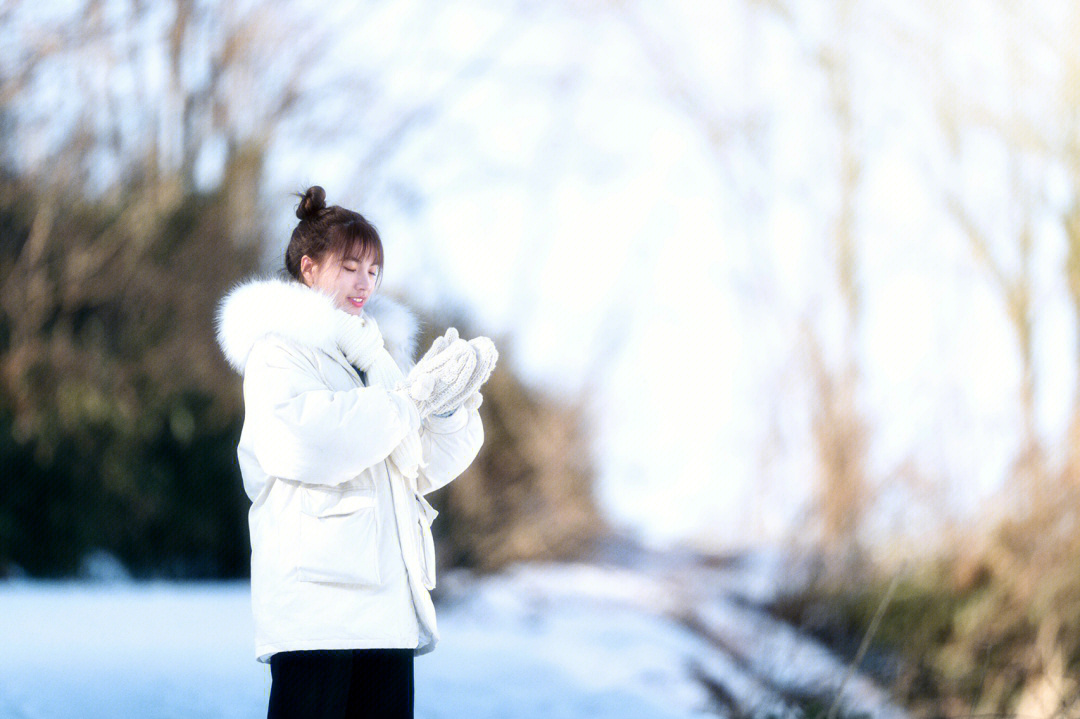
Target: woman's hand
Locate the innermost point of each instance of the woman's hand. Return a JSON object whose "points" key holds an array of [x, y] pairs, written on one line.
{"points": [[451, 372]]}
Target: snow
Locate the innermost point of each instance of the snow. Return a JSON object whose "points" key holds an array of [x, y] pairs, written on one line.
{"points": [[667, 637], [185, 650], [554, 653], [795, 666], [108, 650]]}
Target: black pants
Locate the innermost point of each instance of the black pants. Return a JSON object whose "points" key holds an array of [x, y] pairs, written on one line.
{"points": [[342, 683]]}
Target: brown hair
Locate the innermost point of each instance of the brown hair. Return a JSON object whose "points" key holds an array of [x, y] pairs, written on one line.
{"points": [[330, 232]]}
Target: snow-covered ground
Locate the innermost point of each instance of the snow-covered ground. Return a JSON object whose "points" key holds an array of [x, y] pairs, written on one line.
{"points": [[185, 650], [134, 650], [537, 641]]}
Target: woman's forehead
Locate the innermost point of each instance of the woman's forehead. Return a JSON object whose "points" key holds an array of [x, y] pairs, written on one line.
{"points": [[358, 252]]}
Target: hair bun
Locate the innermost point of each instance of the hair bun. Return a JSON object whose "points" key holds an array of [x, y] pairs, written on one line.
{"points": [[311, 203]]}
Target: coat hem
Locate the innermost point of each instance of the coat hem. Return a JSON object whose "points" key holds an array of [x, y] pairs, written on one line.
{"points": [[263, 652]]}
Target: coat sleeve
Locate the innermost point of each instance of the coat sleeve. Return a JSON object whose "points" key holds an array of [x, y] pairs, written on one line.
{"points": [[450, 445], [308, 433]]}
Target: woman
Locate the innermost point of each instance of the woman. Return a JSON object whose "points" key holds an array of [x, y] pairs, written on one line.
{"points": [[342, 438]]}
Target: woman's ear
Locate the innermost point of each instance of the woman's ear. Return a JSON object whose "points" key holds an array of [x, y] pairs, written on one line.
{"points": [[307, 270]]}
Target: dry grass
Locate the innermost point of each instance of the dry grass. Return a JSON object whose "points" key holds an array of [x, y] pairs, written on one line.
{"points": [[991, 627]]}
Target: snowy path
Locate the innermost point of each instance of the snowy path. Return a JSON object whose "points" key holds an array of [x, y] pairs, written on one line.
{"points": [[538, 641]]}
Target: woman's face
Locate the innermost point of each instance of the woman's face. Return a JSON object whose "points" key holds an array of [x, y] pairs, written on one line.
{"points": [[349, 280]]}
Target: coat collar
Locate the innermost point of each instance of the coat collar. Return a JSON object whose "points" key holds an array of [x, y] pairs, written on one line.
{"points": [[261, 306]]}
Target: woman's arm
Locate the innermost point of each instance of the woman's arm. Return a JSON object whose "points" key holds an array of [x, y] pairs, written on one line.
{"points": [[304, 431], [450, 445]]}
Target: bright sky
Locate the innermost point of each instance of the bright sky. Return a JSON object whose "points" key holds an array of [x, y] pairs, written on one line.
{"points": [[569, 195]]}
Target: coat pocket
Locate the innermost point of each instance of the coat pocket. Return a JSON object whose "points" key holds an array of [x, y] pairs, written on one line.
{"points": [[338, 536], [426, 542]]}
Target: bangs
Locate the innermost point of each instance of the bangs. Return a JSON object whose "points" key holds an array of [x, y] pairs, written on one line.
{"points": [[356, 239]]}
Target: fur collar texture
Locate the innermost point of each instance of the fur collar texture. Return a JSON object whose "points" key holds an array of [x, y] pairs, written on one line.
{"points": [[262, 306]]}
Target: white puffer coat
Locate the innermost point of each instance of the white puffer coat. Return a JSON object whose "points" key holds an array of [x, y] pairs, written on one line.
{"points": [[341, 549]]}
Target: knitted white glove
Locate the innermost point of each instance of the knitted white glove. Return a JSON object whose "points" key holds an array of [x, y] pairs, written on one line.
{"points": [[485, 355], [474, 400], [439, 345], [431, 359], [442, 375]]}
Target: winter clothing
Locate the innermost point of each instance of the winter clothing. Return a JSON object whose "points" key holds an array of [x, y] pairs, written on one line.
{"points": [[486, 356], [451, 372], [341, 549], [362, 344], [441, 377], [331, 684]]}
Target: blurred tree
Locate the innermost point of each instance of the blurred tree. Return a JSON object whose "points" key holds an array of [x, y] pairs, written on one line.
{"points": [[990, 626], [1007, 252], [1066, 47], [118, 416], [1028, 563], [117, 407], [840, 431]]}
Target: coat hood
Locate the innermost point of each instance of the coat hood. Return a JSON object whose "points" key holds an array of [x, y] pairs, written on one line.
{"points": [[262, 306]]}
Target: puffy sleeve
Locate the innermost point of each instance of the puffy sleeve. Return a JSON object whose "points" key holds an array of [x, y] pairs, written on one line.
{"points": [[450, 445], [305, 432]]}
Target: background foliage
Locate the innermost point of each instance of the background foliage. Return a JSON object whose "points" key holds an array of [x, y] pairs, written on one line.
{"points": [[119, 418], [118, 415]]}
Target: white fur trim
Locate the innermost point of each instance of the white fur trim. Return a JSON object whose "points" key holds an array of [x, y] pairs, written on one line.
{"points": [[262, 306], [399, 328]]}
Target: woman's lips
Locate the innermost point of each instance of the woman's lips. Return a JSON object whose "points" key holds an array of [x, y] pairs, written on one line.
{"points": [[356, 301]]}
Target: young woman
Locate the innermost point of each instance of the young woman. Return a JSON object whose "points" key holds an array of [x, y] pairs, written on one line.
{"points": [[342, 438]]}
